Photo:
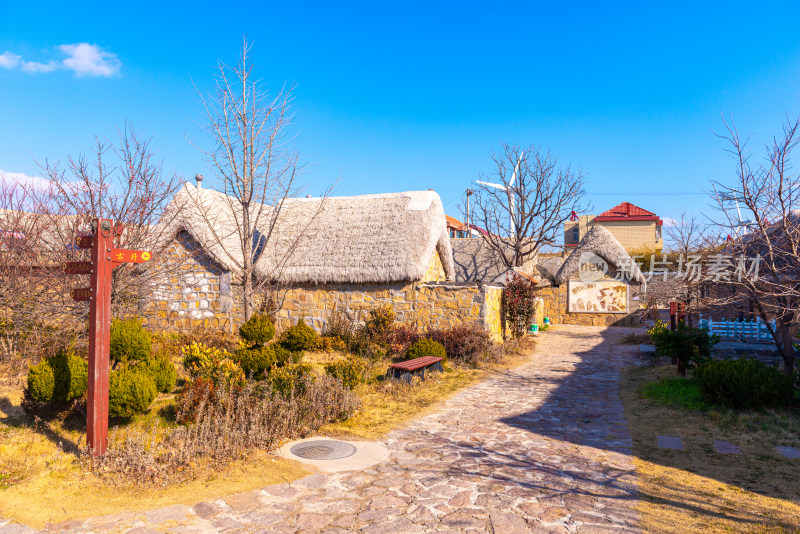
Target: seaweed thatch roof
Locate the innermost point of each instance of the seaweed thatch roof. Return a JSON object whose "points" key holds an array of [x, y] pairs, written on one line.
{"points": [[359, 239], [599, 241]]}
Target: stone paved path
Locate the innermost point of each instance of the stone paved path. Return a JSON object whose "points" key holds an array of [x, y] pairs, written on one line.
{"points": [[542, 448]]}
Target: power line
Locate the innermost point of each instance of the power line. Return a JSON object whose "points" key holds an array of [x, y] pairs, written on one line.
{"points": [[677, 193]]}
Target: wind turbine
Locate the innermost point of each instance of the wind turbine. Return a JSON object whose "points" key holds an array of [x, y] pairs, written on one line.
{"points": [[509, 189], [731, 197]]}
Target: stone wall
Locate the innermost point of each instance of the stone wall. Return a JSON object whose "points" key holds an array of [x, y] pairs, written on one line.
{"points": [[200, 293], [554, 306], [427, 305]]}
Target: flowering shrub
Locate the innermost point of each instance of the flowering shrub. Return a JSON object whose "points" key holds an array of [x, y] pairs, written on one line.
{"points": [[214, 364], [519, 304]]}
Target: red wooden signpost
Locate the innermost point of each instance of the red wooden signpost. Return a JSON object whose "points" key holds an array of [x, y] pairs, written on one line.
{"points": [[104, 259]]}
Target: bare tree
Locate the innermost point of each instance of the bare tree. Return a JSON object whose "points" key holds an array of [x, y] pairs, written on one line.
{"points": [[31, 303], [767, 235], [123, 181], [253, 160], [524, 215], [687, 235]]}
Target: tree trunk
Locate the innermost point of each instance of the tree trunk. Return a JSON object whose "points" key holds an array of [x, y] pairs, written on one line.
{"points": [[787, 350]]}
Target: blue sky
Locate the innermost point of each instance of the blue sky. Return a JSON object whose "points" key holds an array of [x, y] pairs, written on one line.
{"points": [[417, 95]]}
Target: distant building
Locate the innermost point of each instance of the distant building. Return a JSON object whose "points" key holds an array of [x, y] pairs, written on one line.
{"points": [[635, 228], [456, 228]]}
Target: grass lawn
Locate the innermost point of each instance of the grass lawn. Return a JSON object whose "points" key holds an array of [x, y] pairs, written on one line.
{"points": [[42, 480], [698, 489]]}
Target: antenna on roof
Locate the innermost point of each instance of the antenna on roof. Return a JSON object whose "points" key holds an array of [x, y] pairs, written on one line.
{"points": [[199, 178]]}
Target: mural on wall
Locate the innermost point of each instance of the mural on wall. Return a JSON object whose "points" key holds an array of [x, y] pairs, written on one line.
{"points": [[601, 296]]}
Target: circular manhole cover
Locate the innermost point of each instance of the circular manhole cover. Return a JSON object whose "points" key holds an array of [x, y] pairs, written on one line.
{"points": [[323, 449]]}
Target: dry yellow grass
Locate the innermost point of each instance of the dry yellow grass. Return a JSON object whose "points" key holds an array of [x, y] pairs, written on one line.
{"points": [[700, 490], [55, 485]]}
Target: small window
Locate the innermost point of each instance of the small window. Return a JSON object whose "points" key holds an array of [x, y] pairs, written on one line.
{"points": [[576, 234]]}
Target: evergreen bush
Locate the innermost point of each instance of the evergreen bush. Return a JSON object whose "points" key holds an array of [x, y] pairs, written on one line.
{"points": [[290, 380], [744, 384], [426, 347], [258, 330], [162, 372], [299, 337], [351, 371], [41, 382], [60, 378], [130, 391], [256, 362], [130, 342]]}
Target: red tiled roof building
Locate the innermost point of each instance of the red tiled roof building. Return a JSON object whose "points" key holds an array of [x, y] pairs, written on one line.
{"points": [[635, 228]]}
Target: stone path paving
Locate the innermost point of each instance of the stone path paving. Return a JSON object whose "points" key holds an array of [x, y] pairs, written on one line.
{"points": [[542, 448]]}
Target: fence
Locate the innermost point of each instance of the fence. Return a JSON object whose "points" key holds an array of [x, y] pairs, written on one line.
{"points": [[748, 331]]}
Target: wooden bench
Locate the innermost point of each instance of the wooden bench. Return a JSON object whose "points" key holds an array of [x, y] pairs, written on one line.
{"points": [[405, 370]]}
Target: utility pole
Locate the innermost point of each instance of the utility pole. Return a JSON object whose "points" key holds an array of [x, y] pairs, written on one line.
{"points": [[469, 227]]}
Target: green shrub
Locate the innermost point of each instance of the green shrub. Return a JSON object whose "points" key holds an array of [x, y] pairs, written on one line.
{"points": [[299, 337], [690, 346], [351, 371], [256, 362], [291, 378], [71, 375], [217, 365], [426, 347], [744, 384], [41, 382], [130, 391], [129, 342], [162, 372], [258, 330]]}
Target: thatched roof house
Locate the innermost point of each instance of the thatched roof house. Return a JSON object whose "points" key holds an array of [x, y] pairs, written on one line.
{"points": [[598, 241], [359, 239]]}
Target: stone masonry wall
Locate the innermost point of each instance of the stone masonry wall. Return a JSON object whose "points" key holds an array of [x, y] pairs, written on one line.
{"points": [[427, 305], [200, 293], [197, 294]]}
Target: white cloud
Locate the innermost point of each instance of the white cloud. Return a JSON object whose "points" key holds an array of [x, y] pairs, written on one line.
{"points": [[22, 179], [9, 60], [669, 221], [89, 60], [83, 59], [35, 66]]}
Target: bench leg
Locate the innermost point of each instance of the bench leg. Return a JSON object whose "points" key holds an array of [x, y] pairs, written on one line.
{"points": [[438, 367]]}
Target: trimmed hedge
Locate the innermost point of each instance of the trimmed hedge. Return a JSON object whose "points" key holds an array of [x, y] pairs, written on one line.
{"points": [[162, 372], [258, 330], [130, 391], [129, 342], [299, 337], [61, 378], [745, 384], [426, 347]]}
